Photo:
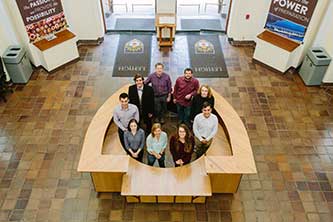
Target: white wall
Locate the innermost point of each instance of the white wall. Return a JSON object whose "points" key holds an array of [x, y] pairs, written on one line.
{"points": [[21, 34], [241, 29], [85, 18], [313, 28], [7, 34], [324, 39]]}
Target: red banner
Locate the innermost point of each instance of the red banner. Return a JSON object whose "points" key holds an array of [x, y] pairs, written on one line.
{"points": [[42, 17]]}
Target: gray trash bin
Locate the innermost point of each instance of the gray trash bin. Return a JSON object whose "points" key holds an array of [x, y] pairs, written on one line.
{"points": [[17, 64], [314, 66]]}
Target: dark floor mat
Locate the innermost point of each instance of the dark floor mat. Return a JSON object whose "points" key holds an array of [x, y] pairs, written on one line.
{"points": [[133, 55], [201, 24], [206, 56], [131, 24]]}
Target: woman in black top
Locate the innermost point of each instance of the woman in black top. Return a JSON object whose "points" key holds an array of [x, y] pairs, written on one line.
{"points": [[204, 95]]}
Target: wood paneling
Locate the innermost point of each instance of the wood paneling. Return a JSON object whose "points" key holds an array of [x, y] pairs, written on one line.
{"points": [[165, 199], [148, 199], [107, 182], [225, 183], [183, 199]]}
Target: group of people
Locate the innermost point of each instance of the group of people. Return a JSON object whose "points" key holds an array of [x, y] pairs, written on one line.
{"points": [[146, 104]]}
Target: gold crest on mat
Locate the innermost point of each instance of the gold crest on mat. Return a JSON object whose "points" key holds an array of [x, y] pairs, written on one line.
{"points": [[134, 46], [204, 47]]}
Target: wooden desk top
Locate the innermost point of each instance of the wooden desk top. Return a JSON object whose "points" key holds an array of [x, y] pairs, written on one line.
{"points": [[278, 41], [61, 37], [238, 160], [189, 180]]}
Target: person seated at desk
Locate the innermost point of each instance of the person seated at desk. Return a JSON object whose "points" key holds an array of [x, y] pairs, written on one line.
{"points": [[182, 145], [204, 95], [157, 142], [205, 128], [122, 114], [134, 139], [142, 96]]}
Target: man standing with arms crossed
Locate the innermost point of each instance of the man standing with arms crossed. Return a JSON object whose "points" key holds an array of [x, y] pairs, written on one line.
{"points": [[161, 83]]}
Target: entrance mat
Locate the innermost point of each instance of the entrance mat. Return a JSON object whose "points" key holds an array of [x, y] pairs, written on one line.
{"points": [[131, 24], [133, 55], [201, 24], [206, 56]]}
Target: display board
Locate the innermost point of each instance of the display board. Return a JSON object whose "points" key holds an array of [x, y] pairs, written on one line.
{"points": [[290, 18], [42, 17]]}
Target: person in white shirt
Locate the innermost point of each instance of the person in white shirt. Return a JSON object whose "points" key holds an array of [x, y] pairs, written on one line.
{"points": [[205, 128]]}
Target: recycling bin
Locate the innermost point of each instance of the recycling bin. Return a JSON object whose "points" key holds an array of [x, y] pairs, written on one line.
{"points": [[17, 63], [314, 66]]}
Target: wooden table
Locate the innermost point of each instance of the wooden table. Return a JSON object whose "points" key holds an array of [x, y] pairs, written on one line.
{"points": [[219, 171]]}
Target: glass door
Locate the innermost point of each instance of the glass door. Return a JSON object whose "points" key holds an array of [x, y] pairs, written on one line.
{"points": [[114, 9]]}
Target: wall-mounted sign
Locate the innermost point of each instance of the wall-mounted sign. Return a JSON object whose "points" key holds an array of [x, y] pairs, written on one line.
{"points": [[290, 18], [42, 17]]}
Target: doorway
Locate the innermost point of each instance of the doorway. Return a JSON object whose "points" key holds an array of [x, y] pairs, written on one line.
{"points": [[126, 9], [212, 14]]}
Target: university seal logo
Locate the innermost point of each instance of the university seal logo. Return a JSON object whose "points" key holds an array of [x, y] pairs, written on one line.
{"points": [[204, 47], [133, 46]]}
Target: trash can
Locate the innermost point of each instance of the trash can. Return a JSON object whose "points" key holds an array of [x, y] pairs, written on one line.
{"points": [[314, 66], [17, 64]]}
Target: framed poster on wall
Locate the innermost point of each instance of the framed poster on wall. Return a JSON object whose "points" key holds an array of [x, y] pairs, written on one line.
{"points": [[290, 18], [42, 17]]}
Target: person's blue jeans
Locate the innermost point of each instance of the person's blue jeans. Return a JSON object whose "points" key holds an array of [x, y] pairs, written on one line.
{"points": [[184, 113], [152, 158]]}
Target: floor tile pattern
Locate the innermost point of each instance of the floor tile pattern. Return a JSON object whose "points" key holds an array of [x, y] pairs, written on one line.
{"points": [[42, 127]]}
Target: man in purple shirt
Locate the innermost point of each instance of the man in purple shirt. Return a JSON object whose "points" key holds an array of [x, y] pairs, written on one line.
{"points": [[161, 83], [185, 88]]}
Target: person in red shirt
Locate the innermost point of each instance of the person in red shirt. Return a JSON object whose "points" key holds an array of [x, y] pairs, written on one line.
{"points": [[182, 146], [185, 88]]}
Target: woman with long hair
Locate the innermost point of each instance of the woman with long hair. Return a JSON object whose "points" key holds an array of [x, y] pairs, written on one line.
{"points": [[204, 95], [157, 142], [134, 139], [182, 145]]}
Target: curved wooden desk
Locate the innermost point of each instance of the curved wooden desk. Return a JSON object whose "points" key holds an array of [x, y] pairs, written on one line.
{"points": [[219, 171]]}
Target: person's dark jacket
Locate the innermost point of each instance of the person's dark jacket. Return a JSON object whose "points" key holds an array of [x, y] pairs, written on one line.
{"points": [[147, 99], [197, 103]]}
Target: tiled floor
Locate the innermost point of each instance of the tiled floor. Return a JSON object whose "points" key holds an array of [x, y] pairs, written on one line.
{"points": [[42, 128]]}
